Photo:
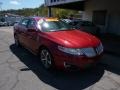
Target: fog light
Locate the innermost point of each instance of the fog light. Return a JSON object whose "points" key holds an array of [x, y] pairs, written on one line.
{"points": [[66, 65], [70, 66]]}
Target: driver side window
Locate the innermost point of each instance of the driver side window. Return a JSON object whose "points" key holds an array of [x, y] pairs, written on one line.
{"points": [[31, 24], [24, 22]]}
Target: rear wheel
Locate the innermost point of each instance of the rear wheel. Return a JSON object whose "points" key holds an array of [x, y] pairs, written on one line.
{"points": [[17, 43], [46, 58]]}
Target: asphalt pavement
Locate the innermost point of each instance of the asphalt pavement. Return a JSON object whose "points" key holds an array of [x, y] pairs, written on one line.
{"points": [[20, 70]]}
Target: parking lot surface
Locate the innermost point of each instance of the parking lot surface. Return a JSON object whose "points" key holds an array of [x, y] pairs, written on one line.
{"points": [[20, 70]]}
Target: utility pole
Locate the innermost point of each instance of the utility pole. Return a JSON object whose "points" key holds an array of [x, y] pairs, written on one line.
{"points": [[49, 12]]}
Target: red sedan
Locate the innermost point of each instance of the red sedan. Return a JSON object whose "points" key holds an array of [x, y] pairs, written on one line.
{"points": [[57, 43]]}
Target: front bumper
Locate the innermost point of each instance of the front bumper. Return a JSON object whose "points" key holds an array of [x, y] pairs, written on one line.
{"points": [[66, 61]]}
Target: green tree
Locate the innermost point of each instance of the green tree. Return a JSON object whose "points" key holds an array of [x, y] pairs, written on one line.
{"points": [[42, 11]]}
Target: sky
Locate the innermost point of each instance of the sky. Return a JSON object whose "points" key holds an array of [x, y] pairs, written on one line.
{"points": [[18, 4]]}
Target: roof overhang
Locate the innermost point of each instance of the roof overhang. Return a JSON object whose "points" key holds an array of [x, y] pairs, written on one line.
{"points": [[79, 5]]}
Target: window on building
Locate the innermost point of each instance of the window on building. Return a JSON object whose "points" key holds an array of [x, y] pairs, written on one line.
{"points": [[51, 1], [99, 17]]}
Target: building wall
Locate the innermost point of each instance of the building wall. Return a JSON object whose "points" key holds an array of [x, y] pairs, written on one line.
{"points": [[57, 2], [112, 21], [113, 13]]}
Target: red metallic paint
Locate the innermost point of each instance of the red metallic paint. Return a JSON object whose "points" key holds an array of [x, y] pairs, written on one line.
{"points": [[51, 40], [73, 39], [79, 61]]}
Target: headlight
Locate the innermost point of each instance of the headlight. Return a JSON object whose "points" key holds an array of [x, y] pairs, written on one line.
{"points": [[70, 50]]}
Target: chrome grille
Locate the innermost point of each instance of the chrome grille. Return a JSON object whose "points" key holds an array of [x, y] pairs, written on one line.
{"points": [[89, 52], [99, 49]]}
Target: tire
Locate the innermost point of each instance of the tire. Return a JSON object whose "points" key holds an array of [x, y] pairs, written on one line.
{"points": [[46, 58], [17, 43]]}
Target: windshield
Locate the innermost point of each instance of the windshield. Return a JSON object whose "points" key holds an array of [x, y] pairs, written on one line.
{"points": [[49, 26]]}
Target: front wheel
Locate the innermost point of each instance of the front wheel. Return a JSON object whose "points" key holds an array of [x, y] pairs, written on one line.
{"points": [[46, 58]]}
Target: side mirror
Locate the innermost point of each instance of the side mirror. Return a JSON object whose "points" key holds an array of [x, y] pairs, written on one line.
{"points": [[31, 29]]}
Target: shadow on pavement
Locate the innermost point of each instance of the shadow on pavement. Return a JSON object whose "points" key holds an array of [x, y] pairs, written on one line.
{"points": [[58, 79], [111, 43], [111, 64]]}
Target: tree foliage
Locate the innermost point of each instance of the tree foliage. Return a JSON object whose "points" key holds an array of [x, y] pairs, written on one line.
{"points": [[42, 11]]}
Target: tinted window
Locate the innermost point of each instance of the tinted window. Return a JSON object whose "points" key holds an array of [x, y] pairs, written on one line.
{"points": [[32, 23], [87, 23], [24, 22]]}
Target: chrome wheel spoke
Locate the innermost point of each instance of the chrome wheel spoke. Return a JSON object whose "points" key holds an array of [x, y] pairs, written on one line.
{"points": [[43, 59], [49, 60], [46, 63], [43, 54], [47, 54]]}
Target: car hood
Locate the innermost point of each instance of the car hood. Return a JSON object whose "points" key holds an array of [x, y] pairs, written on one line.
{"points": [[73, 39]]}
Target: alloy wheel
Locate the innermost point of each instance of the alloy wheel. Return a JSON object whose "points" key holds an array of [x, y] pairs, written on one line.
{"points": [[46, 58]]}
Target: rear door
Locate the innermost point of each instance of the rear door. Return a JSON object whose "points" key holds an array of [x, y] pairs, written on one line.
{"points": [[33, 37]]}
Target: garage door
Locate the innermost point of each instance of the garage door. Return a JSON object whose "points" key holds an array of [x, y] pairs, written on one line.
{"points": [[99, 18], [114, 23]]}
